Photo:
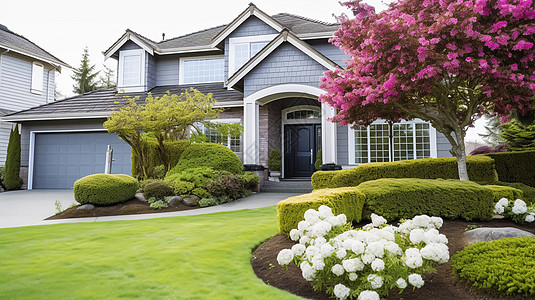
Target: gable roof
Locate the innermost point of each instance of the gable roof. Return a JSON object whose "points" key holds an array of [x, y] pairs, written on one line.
{"points": [[284, 36], [19, 44], [101, 103]]}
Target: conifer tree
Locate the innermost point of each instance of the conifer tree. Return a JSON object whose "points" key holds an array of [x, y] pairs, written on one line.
{"points": [[12, 179], [84, 76]]}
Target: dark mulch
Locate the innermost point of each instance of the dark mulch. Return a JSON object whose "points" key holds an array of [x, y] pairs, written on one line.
{"points": [[130, 207], [439, 285]]}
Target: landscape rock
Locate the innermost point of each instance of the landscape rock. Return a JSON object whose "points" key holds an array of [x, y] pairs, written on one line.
{"points": [[140, 197], [491, 234], [86, 207], [191, 200], [174, 201]]}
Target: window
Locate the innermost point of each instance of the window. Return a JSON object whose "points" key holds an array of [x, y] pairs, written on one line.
{"points": [[37, 78], [202, 69], [303, 114], [243, 48], [232, 142], [383, 142], [131, 68]]}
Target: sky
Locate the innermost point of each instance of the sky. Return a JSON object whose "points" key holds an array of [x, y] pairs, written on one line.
{"points": [[65, 27]]}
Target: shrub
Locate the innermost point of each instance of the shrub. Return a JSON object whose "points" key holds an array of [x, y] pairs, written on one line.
{"points": [[528, 192], [515, 166], [158, 189], [250, 181], [210, 201], [105, 189], [490, 149], [480, 168], [226, 184], [150, 144], [275, 160], [347, 200], [500, 191], [518, 136], [516, 210], [408, 197], [12, 180], [319, 161], [210, 155], [159, 204], [504, 265], [191, 181]]}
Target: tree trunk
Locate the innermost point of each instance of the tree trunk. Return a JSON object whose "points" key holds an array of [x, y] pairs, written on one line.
{"points": [[459, 152]]}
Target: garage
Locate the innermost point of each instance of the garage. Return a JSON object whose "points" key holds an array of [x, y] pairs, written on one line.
{"points": [[60, 158]]}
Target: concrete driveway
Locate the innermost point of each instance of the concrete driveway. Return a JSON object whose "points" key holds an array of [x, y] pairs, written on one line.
{"points": [[30, 207]]}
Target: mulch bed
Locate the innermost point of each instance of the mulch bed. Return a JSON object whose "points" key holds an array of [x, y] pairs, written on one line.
{"points": [[130, 207], [439, 285]]}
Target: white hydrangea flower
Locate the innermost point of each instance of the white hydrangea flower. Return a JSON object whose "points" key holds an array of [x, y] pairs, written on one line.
{"points": [[334, 221], [520, 207], [416, 236], [307, 271], [433, 236], [337, 270], [312, 251], [367, 258], [298, 249], [341, 291], [303, 226], [503, 202], [285, 257], [378, 265], [375, 280], [368, 295], [401, 283], [437, 221], [393, 248], [499, 208], [312, 216], [353, 276], [376, 248], [423, 221], [352, 265], [295, 234], [304, 240], [529, 218], [317, 263], [341, 253], [413, 258], [357, 246], [436, 252], [378, 220], [325, 212], [388, 233], [319, 241], [321, 228], [342, 219], [326, 250], [416, 280]]}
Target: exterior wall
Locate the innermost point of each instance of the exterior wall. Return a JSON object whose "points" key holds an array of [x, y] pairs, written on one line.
{"points": [[274, 127], [167, 68], [443, 146], [286, 64], [129, 45], [342, 149], [150, 67], [5, 129], [332, 52]]}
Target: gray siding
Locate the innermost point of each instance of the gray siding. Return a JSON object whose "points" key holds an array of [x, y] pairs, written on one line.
{"points": [[167, 68], [129, 45], [286, 64], [5, 129], [443, 146], [332, 52], [342, 150], [150, 72]]}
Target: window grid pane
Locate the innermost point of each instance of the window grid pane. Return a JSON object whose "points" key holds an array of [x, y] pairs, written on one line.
{"points": [[241, 55], [256, 47], [403, 142], [131, 70], [303, 114], [423, 141], [379, 143], [233, 143], [361, 145], [204, 70]]}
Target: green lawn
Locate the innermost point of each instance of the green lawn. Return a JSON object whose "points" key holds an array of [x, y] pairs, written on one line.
{"points": [[195, 257]]}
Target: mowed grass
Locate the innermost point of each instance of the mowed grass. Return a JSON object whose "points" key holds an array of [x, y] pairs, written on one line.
{"points": [[194, 257]]}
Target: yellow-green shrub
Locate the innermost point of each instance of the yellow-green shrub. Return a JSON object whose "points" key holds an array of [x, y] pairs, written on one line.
{"points": [[105, 189], [215, 156], [480, 168], [500, 191], [346, 200], [174, 151]]}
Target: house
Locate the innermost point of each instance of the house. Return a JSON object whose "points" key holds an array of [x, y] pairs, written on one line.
{"points": [[264, 70], [27, 74]]}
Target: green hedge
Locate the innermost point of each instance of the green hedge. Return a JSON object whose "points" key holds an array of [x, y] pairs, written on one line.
{"points": [[506, 265], [211, 155], [500, 191], [174, 151], [408, 197], [347, 200], [515, 166], [480, 168], [105, 189], [528, 192]]}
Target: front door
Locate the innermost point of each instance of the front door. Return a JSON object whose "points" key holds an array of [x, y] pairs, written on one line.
{"points": [[300, 150]]}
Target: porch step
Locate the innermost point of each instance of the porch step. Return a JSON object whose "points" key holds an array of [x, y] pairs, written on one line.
{"points": [[287, 186]]}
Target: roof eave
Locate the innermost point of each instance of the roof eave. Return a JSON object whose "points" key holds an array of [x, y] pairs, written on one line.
{"points": [[55, 116], [127, 36], [55, 63]]}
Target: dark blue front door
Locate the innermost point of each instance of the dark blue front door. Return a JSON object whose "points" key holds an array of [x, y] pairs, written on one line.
{"points": [[300, 150]]}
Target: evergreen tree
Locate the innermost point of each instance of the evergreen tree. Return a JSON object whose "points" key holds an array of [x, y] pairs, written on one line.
{"points": [[12, 180], [108, 80], [84, 75]]}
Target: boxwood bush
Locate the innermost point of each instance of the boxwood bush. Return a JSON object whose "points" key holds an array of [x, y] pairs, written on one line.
{"points": [[150, 144], [506, 265], [515, 166], [480, 168], [528, 192], [407, 197], [211, 155], [157, 189], [105, 189], [346, 200]]}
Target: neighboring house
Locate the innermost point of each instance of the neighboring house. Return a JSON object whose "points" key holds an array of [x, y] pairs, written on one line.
{"points": [[27, 74], [264, 70]]}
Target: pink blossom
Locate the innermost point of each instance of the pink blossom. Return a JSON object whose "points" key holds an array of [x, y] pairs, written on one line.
{"points": [[452, 55], [523, 45], [514, 67], [397, 47], [468, 59], [498, 25]]}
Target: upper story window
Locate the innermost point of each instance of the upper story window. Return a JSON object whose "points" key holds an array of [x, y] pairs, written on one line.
{"points": [[202, 69], [241, 49], [37, 77], [131, 68]]}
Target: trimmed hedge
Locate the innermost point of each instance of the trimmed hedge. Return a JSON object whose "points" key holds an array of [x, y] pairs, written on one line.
{"points": [[211, 155], [105, 189], [346, 200], [480, 168], [174, 151], [407, 197], [515, 166], [505, 265], [528, 192]]}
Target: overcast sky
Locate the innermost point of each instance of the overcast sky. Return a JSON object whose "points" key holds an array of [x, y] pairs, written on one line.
{"points": [[65, 27]]}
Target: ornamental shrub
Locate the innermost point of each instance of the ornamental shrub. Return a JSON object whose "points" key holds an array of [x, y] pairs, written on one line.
{"points": [[275, 160], [215, 156], [226, 184], [515, 166], [250, 181], [517, 210], [506, 265], [490, 149], [105, 189], [518, 136], [191, 181], [480, 168], [346, 200], [158, 189], [407, 197], [12, 180], [319, 161], [150, 144], [528, 192], [501, 191]]}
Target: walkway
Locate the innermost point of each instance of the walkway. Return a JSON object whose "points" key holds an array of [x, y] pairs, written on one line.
{"points": [[31, 207]]}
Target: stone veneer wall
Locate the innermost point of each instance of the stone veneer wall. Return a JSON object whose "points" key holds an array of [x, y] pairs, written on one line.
{"points": [[269, 130]]}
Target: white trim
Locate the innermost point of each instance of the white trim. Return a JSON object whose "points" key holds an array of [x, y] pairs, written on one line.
{"points": [[37, 83], [128, 37], [132, 87], [310, 52], [52, 63], [53, 117], [285, 111], [280, 91], [329, 136], [181, 67], [244, 40], [433, 140], [31, 156]]}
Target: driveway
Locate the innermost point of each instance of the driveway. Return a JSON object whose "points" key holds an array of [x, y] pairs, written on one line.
{"points": [[30, 207]]}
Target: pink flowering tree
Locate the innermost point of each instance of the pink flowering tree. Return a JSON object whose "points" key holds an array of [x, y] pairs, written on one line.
{"points": [[443, 61]]}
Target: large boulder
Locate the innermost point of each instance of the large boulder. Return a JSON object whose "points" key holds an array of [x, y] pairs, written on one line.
{"points": [[491, 234], [191, 200]]}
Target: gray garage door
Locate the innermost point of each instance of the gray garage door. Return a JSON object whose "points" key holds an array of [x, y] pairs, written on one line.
{"points": [[62, 158]]}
